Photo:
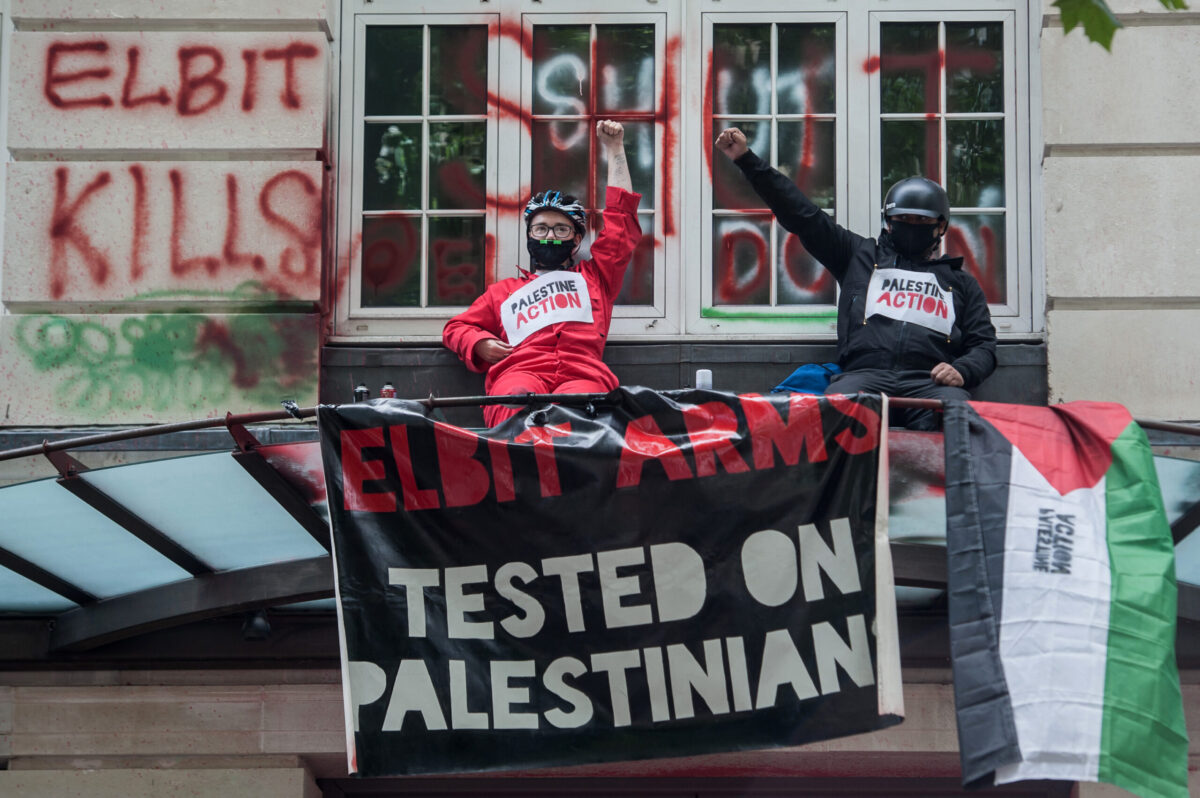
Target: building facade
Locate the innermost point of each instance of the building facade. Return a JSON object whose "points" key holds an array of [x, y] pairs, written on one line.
{"points": [[214, 206]]}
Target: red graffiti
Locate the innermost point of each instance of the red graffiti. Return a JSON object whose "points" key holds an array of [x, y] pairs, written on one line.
{"points": [[803, 270], [457, 185], [215, 335], [75, 71], [64, 231], [159, 97], [232, 217], [308, 241], [390, 250], [732, 290], [455, 277], [141, 221], [489, 259], [991, 275], [668, 120], [67, 230], [706, 129], [54, 78], [190, 84], [288, 55], [250, 85]]}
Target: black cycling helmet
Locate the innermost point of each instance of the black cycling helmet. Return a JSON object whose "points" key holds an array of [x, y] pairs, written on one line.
{"points": [[919, 196], [557, 201]]}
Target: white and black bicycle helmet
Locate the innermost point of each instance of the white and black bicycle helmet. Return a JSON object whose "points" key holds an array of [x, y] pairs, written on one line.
{"points": [[557, 201]]}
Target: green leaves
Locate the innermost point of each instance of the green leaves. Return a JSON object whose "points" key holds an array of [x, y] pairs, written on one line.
{"points": [[1098, 21]]}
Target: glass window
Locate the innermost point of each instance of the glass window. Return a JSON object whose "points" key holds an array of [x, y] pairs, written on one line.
{"points": [[423, 167], [778, 83], [583, 73], [943, 110], [454, 117]]}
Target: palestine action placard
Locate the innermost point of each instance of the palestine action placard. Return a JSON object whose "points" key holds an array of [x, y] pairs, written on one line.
{"points": [[661, 575]]}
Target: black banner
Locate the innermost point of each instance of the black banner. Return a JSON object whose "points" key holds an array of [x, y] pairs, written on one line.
{"points": [[663, 576]]}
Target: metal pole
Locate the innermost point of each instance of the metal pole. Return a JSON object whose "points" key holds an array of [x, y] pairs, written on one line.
{"points": [[431, 402]]}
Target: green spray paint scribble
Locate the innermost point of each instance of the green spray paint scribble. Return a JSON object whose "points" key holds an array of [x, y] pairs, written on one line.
{"points": [[252, 296], [164, 361], [813, 318]]}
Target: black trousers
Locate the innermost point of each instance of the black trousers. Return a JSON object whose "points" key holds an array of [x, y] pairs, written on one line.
{"points": [[914, 384]]}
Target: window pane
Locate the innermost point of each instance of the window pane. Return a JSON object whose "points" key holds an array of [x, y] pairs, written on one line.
{"points": [[909, 68], [975, 163], [730, 188], [741, 264], [807, 154], [457, 165], [560, 157], [807, 69], [801, 280], [742, 69], [391, 273], [391, 166], [639, 153], [561, 55], [393, 63], [458, 69], [974, 67], [979, 239], [908, 149], [456, 259], [625, 67], [638, 287]]}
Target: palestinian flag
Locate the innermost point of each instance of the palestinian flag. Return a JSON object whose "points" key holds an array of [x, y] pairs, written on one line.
{"points": [[1062, 599]]}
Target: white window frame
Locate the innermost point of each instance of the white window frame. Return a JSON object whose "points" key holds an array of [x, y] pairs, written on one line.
{"points": [[395, 323], [858, 191], [816, 319], [506, 178], [1018, 288], [683, 273], [627, 320]]}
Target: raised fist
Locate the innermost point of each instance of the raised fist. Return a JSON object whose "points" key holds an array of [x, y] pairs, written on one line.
{"points": [[732, 142]]}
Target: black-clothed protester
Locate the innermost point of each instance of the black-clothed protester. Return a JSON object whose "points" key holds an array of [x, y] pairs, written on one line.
{"points": [[878, 342]]}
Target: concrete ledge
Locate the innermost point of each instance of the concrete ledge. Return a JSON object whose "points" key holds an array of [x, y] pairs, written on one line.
{"points": [[419, 371], [152, 783]]}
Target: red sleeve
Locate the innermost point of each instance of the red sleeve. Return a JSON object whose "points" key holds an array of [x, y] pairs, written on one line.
{"points": [[613, 248], [476, 323]]}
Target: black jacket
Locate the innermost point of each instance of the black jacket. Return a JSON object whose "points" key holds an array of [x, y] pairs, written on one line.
{"points": [[881, 342]]}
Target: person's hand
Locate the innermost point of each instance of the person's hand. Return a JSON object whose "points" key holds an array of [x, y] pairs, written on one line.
{"points": [[491, 350], [611, 134], [732, 142], [945, 374]]}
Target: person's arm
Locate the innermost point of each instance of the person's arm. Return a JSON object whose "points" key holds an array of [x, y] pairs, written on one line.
{"points": [[612, 136], [613, 248], [978, 360], [830, 243], [474, 335]]}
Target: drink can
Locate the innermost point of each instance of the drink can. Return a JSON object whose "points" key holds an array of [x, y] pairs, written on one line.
{"points": [[388, 391], [361, 392]]}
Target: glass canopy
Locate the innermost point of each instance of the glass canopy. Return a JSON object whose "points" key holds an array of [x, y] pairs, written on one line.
{"points": [[113, 551]]}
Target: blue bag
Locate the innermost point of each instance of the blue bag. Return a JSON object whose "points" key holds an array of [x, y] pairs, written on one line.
{"points": [[809, 378]]}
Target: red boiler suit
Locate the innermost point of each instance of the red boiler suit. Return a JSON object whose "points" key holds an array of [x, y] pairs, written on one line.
{"points": [[564, 357]]}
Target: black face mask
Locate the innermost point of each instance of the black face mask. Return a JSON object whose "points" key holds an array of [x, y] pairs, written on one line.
{"points": [[914, 240], [551, 253]]}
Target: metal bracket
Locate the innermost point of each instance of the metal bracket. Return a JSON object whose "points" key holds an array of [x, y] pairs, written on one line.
{"points": [[66, 465], [242, 437]]}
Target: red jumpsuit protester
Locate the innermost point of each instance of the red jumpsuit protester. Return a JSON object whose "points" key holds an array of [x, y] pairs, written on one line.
{"points": [[564, 357]]}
